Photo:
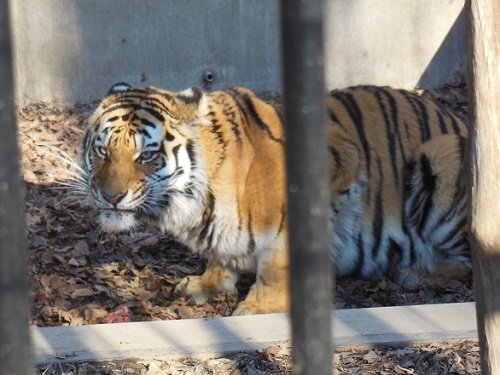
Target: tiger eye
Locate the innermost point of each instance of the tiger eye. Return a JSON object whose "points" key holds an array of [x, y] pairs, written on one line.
{"points": [[101, 151], [147, 156]]}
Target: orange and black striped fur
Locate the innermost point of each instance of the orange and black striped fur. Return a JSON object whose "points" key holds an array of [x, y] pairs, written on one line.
{"points": [[208, 169]]}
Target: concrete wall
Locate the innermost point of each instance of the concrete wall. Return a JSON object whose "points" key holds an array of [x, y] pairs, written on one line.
{"points": [[73, 50], [403, 43]]}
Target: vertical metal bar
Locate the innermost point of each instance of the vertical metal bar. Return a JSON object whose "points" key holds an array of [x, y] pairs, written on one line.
{"points": [[15, 349], [308, 202]]}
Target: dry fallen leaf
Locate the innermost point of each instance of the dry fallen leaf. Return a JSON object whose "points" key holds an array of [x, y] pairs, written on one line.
{"points": [[82, 292]]}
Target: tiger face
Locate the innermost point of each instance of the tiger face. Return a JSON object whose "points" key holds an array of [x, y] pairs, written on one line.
{"points": [[134, 163]]}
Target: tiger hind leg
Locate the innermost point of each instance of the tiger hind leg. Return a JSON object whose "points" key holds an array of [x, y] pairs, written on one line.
{"points": [[435, 211]]}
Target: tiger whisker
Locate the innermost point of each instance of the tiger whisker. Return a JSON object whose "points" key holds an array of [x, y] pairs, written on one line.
{"points": [[60, 155], [70, 201], [72, 183]]}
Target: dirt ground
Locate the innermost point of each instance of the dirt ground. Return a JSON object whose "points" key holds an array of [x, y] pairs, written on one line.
{"points": [[80, 275]]}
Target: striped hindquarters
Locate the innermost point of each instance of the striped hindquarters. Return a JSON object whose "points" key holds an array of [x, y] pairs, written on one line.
{"points": [[403, 154]]}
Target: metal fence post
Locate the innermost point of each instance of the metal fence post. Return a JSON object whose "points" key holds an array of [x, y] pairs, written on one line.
{"points": [[308, 202], [15, 349]]}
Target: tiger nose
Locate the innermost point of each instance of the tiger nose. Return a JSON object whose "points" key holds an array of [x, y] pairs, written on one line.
{"points": [[114, 199]]}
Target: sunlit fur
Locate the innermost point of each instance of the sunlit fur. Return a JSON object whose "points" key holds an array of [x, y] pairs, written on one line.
{"points": [[208, 169]]}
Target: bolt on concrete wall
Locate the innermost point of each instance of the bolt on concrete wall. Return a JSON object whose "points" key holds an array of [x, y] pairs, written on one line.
{"points": [[73, 51]]}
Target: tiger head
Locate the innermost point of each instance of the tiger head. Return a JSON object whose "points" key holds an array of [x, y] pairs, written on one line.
{"points": [[139, 153]]}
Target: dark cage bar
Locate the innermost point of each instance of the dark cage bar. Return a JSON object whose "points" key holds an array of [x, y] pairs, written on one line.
{"points": [[15, 350], [306, 157]]}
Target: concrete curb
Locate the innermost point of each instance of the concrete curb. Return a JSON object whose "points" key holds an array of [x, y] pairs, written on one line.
{"points": [[369, 327]]}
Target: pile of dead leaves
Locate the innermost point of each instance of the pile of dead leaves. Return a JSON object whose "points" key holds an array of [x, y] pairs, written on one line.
{"points": [[453, 97], [433, 359]]}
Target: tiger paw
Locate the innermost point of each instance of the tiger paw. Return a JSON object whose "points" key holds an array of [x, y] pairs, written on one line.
{"points": [[448, 274], [192, 286], [411, 279], [249, 307], [246, 308], [263, 301], [200, 290]]}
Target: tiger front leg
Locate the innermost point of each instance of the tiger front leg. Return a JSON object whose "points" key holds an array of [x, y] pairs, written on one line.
{"points": [[270, 292], [215, 279]]}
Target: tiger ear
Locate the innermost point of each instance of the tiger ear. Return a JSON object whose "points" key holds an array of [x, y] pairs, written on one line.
{"points": [[119, 87], [195, 99]]}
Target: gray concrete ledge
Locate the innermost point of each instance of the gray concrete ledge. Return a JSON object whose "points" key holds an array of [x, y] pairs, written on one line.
{"points": [[370, 327]]}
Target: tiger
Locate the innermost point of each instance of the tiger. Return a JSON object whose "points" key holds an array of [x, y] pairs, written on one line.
{"points": [[208, 169]]}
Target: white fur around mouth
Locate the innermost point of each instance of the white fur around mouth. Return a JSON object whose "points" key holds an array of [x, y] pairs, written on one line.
{"points": [[115, 221]]}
